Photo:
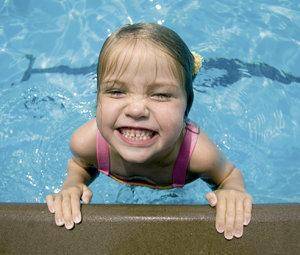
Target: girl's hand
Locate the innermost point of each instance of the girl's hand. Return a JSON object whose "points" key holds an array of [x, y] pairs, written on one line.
{"points": [[233, 211], [66, 204]]}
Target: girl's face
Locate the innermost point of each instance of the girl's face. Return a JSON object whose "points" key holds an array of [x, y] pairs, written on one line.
{"points": [[141, 105]]}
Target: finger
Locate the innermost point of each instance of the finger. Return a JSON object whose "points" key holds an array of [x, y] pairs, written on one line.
{"points": [[86, 195], [230, 217], [67, 211], [247, 210], [58, 210], [220, 215], [211, 198], [239, 218], [50, 203], [75, 207]]}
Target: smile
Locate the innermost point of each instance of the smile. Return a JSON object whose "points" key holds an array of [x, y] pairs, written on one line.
{"points": [[137, 137]]}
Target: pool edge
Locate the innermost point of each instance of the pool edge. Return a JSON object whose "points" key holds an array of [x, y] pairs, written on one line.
{"points": [[146, 229]]}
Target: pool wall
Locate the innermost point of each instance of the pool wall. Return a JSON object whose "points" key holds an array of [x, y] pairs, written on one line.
{"points": [[146, 229]]}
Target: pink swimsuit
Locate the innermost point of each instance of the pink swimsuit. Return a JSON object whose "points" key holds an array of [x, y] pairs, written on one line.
{"points": [[180, 166]]}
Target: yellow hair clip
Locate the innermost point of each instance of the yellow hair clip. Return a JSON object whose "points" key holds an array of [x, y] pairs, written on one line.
{"points": [[198, 59]]}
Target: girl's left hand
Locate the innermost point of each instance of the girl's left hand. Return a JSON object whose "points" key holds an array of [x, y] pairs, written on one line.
{"points": [[233, 211]]}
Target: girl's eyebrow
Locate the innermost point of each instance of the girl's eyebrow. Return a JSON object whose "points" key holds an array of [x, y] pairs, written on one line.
{"points": [[153, 85], [114, 82]]}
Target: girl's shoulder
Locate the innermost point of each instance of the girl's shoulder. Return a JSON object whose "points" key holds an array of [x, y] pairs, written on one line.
{"points": [[205, 155], [83, 143]]}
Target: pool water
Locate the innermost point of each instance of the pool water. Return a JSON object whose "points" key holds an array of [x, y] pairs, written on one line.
{"points": [[247, 97]]}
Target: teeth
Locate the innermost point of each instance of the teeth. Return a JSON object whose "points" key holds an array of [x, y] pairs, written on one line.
{"points": [[136, 134]]}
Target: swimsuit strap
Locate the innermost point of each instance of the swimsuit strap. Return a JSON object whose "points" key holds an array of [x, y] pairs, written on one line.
{"points": [[102, 154], [184, 155]]}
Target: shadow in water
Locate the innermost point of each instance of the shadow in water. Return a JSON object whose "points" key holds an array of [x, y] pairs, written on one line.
{"points": [[56, 69], [232, 70]]}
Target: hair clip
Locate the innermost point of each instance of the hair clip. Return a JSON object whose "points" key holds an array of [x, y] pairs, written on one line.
{"points": [[198, 59]]}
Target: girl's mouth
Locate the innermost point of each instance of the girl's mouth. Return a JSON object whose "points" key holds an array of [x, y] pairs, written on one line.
{"points": [[136, 136]]}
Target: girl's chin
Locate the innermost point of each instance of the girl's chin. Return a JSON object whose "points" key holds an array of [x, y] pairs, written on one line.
{"points": [[135, 155]]}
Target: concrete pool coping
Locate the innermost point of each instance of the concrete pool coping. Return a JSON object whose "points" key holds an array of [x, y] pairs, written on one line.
{"points": [[146, 229]]}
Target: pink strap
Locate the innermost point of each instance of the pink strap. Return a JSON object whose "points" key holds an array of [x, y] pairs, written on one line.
{"points": [[184, 155], [102, 154]]}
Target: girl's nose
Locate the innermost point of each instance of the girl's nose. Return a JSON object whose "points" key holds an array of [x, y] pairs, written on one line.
{"points": [[137, 109]]}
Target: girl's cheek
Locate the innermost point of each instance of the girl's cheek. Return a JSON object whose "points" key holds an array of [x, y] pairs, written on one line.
{"points": [[172, 112], [104, 109], [106, 115]]}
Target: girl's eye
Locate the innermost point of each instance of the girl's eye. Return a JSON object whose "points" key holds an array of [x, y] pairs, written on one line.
{"points": [[115, 93], [161, 96]]}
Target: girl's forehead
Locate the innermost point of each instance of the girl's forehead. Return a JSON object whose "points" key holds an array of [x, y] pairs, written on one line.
{"points": [[141, 60]]}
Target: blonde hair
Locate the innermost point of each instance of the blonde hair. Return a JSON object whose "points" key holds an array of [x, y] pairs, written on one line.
{"points": [[185, 65]]}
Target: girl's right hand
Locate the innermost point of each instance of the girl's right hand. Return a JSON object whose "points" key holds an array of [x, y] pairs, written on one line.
{"points": [[66, 204]]}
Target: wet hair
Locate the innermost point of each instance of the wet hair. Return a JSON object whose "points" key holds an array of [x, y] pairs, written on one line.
{"points": [[161, 37]]}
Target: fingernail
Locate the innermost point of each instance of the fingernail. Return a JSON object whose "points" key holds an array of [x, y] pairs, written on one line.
{"points": [[238, 233], [220, 229], [228, 235], [77, 219], [69, 225], [246, 221], [59, 222]]}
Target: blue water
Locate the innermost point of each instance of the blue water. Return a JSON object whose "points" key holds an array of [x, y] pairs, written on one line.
{"points": [[247, 97]]}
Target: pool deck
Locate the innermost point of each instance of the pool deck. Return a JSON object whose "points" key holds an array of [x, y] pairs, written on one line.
{"points": [[147, 229]]}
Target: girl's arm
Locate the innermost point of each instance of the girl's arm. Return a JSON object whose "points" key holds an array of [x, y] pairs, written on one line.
{"points": [[81, 171], [232, 203], [77, 173]]}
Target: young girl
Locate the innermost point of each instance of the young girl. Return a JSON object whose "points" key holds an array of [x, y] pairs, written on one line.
{"points": [[141, 134]]}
